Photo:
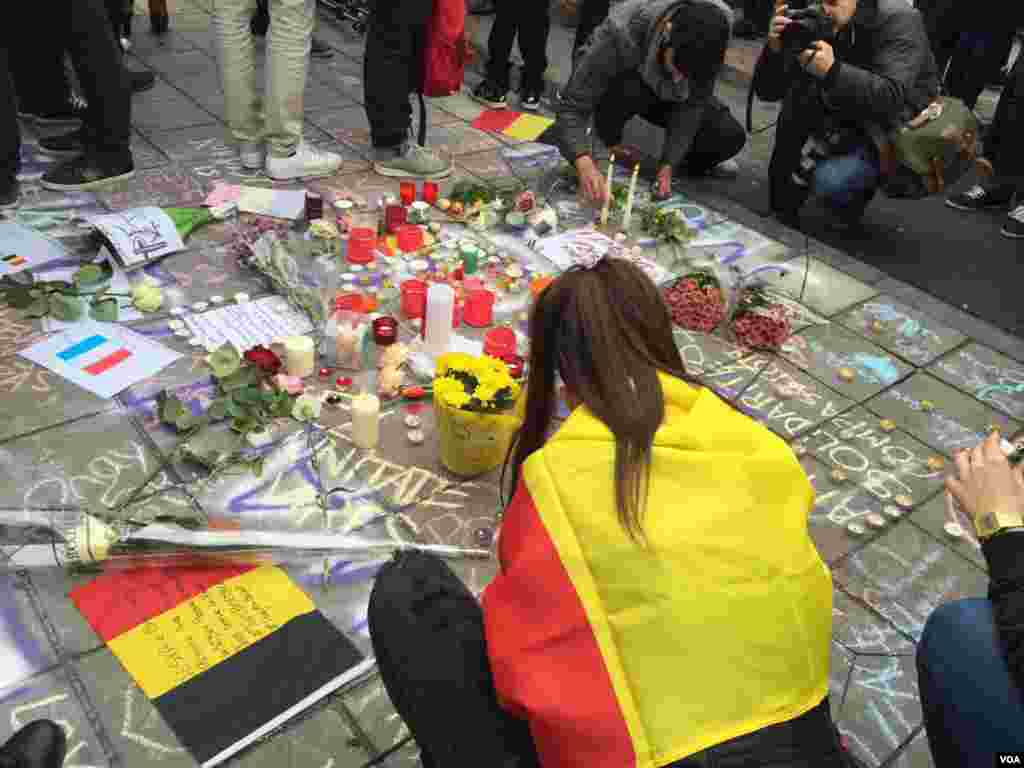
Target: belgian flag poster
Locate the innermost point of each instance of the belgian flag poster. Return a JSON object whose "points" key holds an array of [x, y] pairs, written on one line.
{"points": [[226, 655]]}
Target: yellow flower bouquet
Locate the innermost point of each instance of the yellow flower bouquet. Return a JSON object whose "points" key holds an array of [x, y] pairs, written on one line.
{"points": [[478, 408]]}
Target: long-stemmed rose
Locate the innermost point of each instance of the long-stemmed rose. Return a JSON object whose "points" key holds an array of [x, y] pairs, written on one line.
{"points": [[264, 359]]}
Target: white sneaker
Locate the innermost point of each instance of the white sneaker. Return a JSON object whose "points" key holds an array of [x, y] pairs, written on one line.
{"points": [[307, 162], [253, 155]]}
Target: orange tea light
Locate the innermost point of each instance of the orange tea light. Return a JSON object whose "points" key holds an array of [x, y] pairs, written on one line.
{"points": [[538, 284]]}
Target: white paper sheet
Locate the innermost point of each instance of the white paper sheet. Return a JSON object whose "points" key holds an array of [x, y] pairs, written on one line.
{"points": [[566, 249], [102, 358], [140, 235], [276, 203], [23, 248], [247, 325]]}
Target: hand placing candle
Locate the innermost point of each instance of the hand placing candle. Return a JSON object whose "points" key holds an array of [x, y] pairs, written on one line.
{"points": [[608, 200], [365, 421]]}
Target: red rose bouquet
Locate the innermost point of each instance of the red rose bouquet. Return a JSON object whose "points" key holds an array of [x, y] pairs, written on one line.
{"points": [[696, 302], [759, 323]]}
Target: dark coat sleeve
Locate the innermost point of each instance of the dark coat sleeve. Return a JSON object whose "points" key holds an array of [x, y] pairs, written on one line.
{"points": [[1005, 555], [879, 94], [683, 123], [773, 75], [601, 61]]}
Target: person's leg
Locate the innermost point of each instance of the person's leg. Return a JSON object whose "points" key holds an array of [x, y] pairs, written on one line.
{"points": [[978, 57], [243, 108], [106, 130], [392, 67], [10, 133], [533, 43], [499, 42], [39, 744], [847, 183], [37, 67], [592, 14], [941, 22], [971, 706], [720, 137], [428, 638]]}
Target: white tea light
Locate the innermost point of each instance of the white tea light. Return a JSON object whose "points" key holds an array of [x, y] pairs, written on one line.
{"points": [[440, 310], [365, 421], [300, 356]]}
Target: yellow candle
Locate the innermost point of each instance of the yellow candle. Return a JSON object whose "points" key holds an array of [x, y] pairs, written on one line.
{"points": [[608, 200], [299, 356], [365, 420], [628, 216]]}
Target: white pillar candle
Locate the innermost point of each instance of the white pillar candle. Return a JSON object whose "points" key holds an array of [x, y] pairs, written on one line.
{"points": [[628, 216], [608, 200], [365, 421], [440, 309], [299, 356]]}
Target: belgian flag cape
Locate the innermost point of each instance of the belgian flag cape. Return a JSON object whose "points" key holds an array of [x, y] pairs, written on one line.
{"points": [[620, 657]]}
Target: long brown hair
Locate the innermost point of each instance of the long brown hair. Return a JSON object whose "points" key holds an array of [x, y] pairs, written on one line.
{"points": [[608, 332]]}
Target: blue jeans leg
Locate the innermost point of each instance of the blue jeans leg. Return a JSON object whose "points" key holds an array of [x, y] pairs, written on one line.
{"points": [[848, 182], [972, 709]]}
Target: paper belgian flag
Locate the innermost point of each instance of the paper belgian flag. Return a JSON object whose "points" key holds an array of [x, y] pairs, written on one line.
{"points": [[515, 125], [225, 654]]}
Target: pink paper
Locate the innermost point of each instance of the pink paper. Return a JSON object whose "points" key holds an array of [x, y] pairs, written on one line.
{"points": [[223, 193]]}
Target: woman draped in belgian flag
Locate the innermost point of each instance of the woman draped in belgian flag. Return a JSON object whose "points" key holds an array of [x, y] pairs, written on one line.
{"points": [[659, 599]]}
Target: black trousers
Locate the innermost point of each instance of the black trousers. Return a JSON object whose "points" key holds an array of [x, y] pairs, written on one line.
{"points": [[530, 21], [1004, 146], [720, 136], [392, 67], [428, 638], [10, 131], [592, 14], [759, 13], [83, 29]]}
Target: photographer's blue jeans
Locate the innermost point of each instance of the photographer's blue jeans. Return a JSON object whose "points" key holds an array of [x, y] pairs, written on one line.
{"points": [[847, 182], [971, 706]]}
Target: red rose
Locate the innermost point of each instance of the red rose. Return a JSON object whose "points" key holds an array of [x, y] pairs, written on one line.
{"points": [[264, 359]]}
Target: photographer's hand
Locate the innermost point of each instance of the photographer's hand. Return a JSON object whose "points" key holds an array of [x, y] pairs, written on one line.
{"points": [[779, 22], [818, 59]]}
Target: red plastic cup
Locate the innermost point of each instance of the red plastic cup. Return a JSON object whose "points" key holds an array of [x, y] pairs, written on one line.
{"points": [[349, 302], [515, 365], [394, 217], [385, 331], [472, 284], [362, 242], [410, 238], [431, 191], [500, 342], [414, 298], [407, 191], [479, 311]]}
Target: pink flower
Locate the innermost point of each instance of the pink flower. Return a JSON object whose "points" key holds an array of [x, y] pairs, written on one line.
{"points": [[291, 384]]}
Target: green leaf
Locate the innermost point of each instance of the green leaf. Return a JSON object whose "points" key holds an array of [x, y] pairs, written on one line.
{"points": [[18, 296], [234, 410], [105, 311], [218, 409], [248, 395], [243, 377], [87, 275], [66, 308], [224, 361], [171, 408], [38, 308]]}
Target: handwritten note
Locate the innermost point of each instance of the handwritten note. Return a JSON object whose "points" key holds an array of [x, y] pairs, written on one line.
{"points": [[24, 248], [139, 235], [246, 325], [276, 203]]}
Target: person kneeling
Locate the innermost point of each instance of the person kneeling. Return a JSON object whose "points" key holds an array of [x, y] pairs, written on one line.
{"points": [[659, 600], [659, 60], [841, 97]]}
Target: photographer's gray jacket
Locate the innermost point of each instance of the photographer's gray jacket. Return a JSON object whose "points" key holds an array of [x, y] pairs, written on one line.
{"points": [[884, 76], [627, 41]]}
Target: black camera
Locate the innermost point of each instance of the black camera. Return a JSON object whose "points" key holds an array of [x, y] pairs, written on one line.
{"points": [[808, 25]]}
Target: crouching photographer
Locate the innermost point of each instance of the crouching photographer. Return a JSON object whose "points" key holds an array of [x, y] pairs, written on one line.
{"points": [[849, 74]]}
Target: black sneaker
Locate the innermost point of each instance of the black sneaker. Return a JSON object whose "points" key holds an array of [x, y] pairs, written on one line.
{"points": [[63, 145], [1014, 226], [10, 196], [320, 50], [82, 173], [982, 197], [491, 94], [40, 744], [530, 99], [141, 81], [260, 23], [70, 114]]}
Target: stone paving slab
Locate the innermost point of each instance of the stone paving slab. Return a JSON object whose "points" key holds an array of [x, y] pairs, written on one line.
{"points": [[881, 709], [902, 330], [993, 378]]}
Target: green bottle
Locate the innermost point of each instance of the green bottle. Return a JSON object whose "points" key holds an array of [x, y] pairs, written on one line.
{"points": [[470, 259]]}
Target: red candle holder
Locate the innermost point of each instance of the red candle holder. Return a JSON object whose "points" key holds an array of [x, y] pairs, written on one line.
{"points": [[385, 331], [479, 312], [431, 191], [414, 298], [410, 238], [394, 217], [500, 342], [515, 364], [407, 192]]}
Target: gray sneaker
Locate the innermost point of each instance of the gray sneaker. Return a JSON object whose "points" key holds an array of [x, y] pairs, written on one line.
{"points": [[416, 162]]}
